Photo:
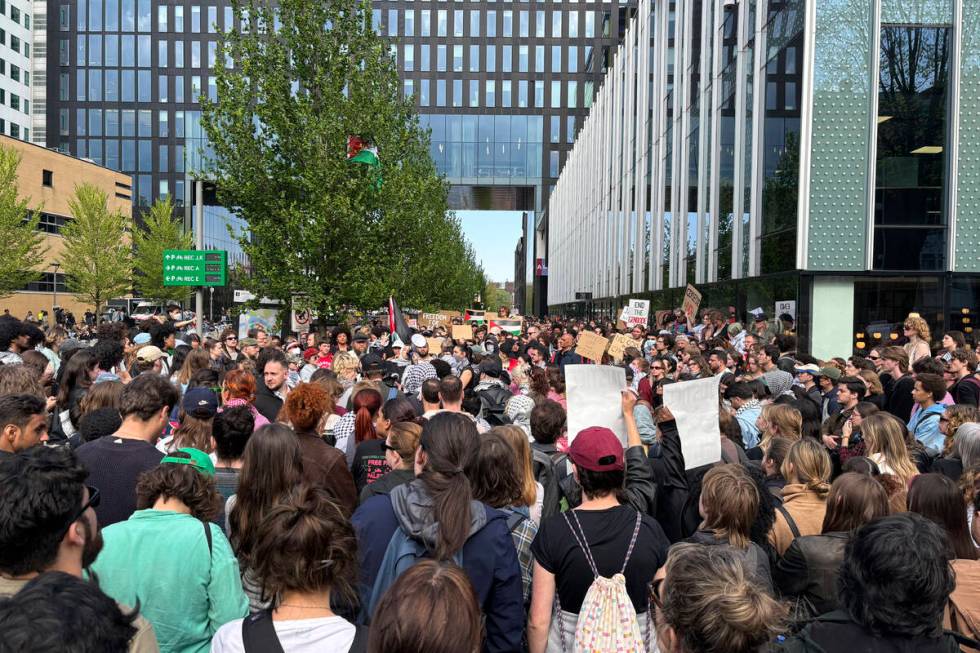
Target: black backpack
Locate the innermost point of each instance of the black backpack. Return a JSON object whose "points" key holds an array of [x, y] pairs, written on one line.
{"points": [[494, 401]]}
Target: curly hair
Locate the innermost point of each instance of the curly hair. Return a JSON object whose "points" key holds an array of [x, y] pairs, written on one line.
{"points": [[895, 579], [306, 406], [306, 544], [919, 325], [196, 490]]}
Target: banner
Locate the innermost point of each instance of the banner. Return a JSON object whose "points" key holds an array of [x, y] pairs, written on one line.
{"points": [[591, 346], [692, 300], [637, 313], [694, 404], [260, 317], [594, 398]]}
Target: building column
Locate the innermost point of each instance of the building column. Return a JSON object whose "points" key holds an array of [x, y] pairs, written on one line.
{"points": [[832, 317]]}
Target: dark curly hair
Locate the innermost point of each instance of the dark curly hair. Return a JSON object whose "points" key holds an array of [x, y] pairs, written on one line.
{"points": [[896, 580], [183, 482], [306, 544]]}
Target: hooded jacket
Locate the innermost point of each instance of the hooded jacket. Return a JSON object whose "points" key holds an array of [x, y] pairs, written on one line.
{"points": [[488, 556], [924, 427]]}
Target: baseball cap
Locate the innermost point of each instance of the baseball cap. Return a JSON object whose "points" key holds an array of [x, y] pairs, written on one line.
{"points": [[198, 460], [760, 317], [830, 372], [142, 338], [248, 342], [809, 368], [310, 353], [597, 449], [360, 337], [200, 402], [149, 354], [371, 363], [491, 367]]}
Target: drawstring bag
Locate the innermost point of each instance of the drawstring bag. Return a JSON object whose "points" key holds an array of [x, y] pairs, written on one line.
{"points": [[607, 621]]}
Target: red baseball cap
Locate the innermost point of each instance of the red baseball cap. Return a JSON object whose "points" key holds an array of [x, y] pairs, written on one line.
{"points": [[310, 353], [597, 449]]}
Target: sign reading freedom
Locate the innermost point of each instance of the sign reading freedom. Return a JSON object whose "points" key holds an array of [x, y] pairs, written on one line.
{"points": [[191, 267]]}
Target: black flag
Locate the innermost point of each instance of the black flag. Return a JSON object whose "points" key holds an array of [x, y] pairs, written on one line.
{"points": [[397, 323]]}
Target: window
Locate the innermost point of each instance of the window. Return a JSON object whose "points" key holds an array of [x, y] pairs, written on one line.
{"points": [[47, 178], [64, 18], [474, 93], [491, 97], [441, 58], [573, 24], [458, 58], [440, 92], [556, 24], [474, 58], [539, 24], [441, 22], [538, 93], [457, 92], [162, 18], [522, 58], [508, 24], [474, 23], [572, 64], [426, 19], [505, 93], [572, 94], [409, 88], [424, 64], [539, 59], [408, 57], [491, 63], [522, 93], [392, 22], [555, 94], [178, 18], [523, 24], [555, 130], [508, 55], [556, 59], [458, 23], [409, 22], [491, 24], [589, 24], [195, 19], [424, 92]]}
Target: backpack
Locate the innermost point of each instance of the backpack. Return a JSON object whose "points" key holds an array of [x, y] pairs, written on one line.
{"points": [[549, 471], [804, 643], [493, 402], [259, 635], [606, 620], [401, 555]]}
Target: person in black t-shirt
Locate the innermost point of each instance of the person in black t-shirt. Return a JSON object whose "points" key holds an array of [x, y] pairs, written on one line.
{"points": [[561, 566]]}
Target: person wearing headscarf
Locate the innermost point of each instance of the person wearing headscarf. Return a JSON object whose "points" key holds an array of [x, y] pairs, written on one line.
{"points": [[518, 411], [415, 375], [779, 384]]}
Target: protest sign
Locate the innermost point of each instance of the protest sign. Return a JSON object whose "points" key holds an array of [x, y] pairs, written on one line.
{"points": [[787, 307], [462, 332], [591, 346], [433, 320], [694, 405], [594, 398], [692, 299], [435, 346], [660, 318], [264, 318], [619, 344], [637, 313]]}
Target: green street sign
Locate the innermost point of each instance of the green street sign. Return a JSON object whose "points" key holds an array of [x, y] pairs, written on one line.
{"points": [[191, 267]]}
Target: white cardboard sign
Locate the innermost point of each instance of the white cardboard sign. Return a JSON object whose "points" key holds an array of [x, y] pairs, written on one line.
{"points": [[637, 313], [694, 404], [594, 398]]}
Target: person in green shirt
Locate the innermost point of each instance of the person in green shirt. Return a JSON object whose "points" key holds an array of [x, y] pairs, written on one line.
{"points": [[169, 558]]}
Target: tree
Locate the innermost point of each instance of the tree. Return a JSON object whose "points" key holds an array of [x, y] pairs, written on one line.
{"points": [[97, 258], [161, 232], [23, 244], [320, 225]]}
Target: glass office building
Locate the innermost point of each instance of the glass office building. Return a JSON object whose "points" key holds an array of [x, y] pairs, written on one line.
{"points": [[819, 155]]}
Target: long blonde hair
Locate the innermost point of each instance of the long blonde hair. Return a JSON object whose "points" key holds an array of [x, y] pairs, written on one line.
{"points": [[808, 463], [784, 422], [883, 434], [517, 439]]}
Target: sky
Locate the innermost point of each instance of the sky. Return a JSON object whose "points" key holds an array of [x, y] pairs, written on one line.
{"points": [[494, 236]]}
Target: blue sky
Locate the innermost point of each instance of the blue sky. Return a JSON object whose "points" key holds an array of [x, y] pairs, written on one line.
{"points": [[493, 235]]}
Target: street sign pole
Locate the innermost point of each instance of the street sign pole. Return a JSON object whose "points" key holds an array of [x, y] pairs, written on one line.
{"points": [[199, 244]]}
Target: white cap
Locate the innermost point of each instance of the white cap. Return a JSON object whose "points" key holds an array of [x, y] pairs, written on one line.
{"points": [[419, 341]]}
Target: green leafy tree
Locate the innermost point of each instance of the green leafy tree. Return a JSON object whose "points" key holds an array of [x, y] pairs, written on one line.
{"points": [[160, 232], [319, 224], [97, 258], [23, 244]]}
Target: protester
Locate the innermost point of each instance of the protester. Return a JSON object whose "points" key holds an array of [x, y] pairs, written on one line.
{"points": [[885, 446], [238, 389], [23, 423], [400, 444], [436, 515], [431, 608], [185, 560], [708, 601], [115, 462], [807, 472], [358, 425], [231, 431], [599, 538], [271, 388], [305, 559]]}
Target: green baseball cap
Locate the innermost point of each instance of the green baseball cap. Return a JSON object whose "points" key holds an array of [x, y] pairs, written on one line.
{"points": [[198, 460]]}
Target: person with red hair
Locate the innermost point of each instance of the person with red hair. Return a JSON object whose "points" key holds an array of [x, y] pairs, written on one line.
{"points": [[239, 390]]}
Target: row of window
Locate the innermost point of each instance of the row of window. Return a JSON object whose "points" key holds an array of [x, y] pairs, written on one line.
{"points": [[483, 93], [16, 102], [478, 23], [484, 57], [15, 44], [137, 16], [110, 85], [16, 15], [127, 123], [14, 130], [131, 51]]}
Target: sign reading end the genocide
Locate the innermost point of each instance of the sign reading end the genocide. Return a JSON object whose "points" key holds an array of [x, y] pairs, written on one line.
{"points": [[191, 267]]}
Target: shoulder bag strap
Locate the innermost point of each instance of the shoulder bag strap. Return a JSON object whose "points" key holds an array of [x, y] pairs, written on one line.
{"points": [[259, 635], [629, 551], [789, 520], [207, 536], [359, 645]]}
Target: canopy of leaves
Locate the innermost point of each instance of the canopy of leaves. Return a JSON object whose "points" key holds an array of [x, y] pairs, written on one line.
{"points": [[97, 258], [23, 244], [160, 232], [320, 225]]}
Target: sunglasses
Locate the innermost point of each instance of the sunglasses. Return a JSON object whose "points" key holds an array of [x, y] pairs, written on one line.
{"points": [[231, 338], [874, 358], [94, 498]]}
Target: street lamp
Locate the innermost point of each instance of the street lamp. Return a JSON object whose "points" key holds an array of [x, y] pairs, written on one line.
{"points": [[54, 301]]}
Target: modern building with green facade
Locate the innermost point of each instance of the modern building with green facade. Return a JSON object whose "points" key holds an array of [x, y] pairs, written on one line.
{"points": [[823, 155]]}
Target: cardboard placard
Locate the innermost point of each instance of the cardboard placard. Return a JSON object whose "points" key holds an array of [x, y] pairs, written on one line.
{"points": [[435, 346], [692, 300], [594, 398], [637, 313], [433, 320], [618, 345], [463, 332], [591, 346], [659, 318]]}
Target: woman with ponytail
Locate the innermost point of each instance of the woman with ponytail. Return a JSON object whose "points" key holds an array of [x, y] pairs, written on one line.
{"points": [[807, 472], [368, 464], [436, 516], [709, 601]]}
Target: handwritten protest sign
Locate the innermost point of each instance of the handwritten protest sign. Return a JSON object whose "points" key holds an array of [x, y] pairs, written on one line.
{"points": [[694, 404], [692, 300], [435, 346], [433, 320], [591, 346], [593, 393], [637, 313], [619, 344], [462, 332]]}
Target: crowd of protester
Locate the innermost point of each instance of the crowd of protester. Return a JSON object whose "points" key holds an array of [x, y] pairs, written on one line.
{"points": [[355, 489]]}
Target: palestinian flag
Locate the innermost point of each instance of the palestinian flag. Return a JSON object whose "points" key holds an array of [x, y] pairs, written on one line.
{"points": [[476, 316], [509, 325], [360, 150], [396, 321]]}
